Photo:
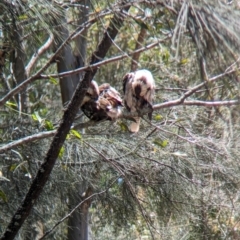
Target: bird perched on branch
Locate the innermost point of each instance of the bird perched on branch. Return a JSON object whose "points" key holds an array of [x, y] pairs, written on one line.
{"points": [[102, 103], [139, 89], [92, 93], [110, 100]]}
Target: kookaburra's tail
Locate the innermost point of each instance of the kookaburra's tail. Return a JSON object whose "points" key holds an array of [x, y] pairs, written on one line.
{"points": [[134, 127]]}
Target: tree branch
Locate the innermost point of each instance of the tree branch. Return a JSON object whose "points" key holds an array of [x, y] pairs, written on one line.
{"points": [[104, 62], [36, 55], [36, 76], [125, 115], [211, 103], [74, 209], [45, 169], [27, 139]]}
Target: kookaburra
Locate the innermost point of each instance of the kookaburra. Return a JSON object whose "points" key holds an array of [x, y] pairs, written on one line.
{"points": [[138, 89], [110, 100], [102, 103], [92, 93]]}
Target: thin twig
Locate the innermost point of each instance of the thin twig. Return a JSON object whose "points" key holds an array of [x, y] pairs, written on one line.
{"points": [[125, 115], [211, 103], [115, 165], [74, 209], [104, 62], [36, 76]]}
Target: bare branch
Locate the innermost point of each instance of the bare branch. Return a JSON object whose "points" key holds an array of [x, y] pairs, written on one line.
{"points": [[211, 103], [36, 55], [74, 209], [36, 76], [104, 62], [42, 135], [27, 139], [190, 92], [191, 103], [69, 114], [125, 115]]}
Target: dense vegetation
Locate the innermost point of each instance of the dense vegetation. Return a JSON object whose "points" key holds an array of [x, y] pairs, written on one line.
{"points": [[61, 174]]}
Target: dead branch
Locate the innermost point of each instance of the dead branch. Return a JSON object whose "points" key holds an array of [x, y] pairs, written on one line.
{"points": [[74, 209], [46, 168], [125, 115], [36, 76], [36, 55], [104, 62]]}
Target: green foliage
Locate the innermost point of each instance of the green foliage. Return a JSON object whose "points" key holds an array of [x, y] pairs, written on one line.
{"points": [[75, 133], [161, 143], [3, 196], [178, 178], [61, 152]]}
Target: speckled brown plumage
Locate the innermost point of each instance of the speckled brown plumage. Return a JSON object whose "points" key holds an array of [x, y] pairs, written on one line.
{"points": [[107, 105]]}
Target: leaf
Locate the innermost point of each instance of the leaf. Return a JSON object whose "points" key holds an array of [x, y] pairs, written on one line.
{"points": [[11, 104], [61, 152], [97, 9], [76, 134], [53, 80], [35, 116], [64, 167], [158, 117], [165, 56], [184, 61], [43, 111], [68, 137], [123, 126], [12, 167], [23, 17], [48, 125], [161, 143], [3, 196]]}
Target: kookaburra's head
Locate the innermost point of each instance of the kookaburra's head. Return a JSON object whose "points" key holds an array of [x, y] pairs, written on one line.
{"points": [[92, 92], [143, 85]]}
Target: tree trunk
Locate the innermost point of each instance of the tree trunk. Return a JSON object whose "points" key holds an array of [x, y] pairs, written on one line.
{"points": [[69, 60], [46, 167]]}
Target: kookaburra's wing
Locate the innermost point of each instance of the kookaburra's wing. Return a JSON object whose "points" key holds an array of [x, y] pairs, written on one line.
{"points": [[102, 103], [110, 100], [139, 89], [129, 97]]}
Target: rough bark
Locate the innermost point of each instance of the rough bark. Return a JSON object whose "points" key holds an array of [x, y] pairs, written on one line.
{"points": [[136, 56], [72, 59], [45, 169], [18, 57]]}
